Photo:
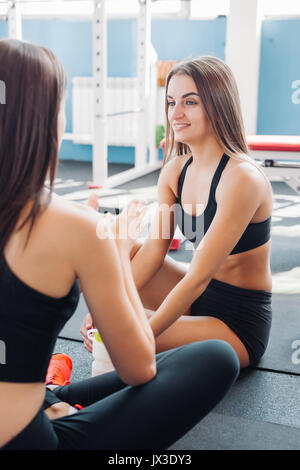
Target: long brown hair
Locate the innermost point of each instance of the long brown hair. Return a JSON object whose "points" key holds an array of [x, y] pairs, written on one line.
{"points": [[218, 91], [35, 83]]}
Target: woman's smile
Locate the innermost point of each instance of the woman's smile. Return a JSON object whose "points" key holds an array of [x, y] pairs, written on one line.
{"points": [[180, 126]]}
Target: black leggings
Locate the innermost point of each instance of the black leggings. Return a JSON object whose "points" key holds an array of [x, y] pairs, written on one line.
{"points": [[191, 380]]}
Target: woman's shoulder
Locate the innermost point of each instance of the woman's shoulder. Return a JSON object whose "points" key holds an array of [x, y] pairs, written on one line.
{"points": [[246, 169], [70, 219], [70, 210], [244, 174], [170, 172], [176, 162], [75, 232]]}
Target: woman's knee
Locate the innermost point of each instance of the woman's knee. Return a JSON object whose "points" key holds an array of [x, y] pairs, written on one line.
{"points": [[219, 356]]}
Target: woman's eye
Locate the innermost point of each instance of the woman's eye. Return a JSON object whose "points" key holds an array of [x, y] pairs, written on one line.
{"points": [[188, 102]]}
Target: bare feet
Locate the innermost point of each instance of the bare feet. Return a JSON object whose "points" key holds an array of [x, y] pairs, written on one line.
{"points": [[93, 202], [58, 410]]}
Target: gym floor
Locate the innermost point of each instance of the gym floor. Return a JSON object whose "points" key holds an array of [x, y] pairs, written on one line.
{"points": [[262, 410]]}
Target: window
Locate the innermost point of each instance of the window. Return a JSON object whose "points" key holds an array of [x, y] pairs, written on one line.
{"points": [[213, 8], [114, 8], [165, 7], [281, 7], [3, 8], [58, 8], [209, 9]]}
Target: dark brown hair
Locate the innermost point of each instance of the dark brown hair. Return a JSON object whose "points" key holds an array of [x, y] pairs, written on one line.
{"points": [[35, 83]]}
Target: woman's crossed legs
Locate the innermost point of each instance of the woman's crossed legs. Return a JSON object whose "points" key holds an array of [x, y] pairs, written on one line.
{"points": [[190, 381], [186, 329]]}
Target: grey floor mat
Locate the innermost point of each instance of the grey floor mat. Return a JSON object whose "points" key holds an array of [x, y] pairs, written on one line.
{"points": [[71, 329], [260, 412], [223, 432], [261, 395], [282, 351]]}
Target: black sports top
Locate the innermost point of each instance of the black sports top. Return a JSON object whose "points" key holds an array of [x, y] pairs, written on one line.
{"points": [[194, 227], [29, 324]]}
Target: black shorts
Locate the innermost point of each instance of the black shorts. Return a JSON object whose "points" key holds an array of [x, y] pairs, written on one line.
{"points": [[247, 312]]}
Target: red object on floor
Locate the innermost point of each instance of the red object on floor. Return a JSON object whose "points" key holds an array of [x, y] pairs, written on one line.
{"points": [[175, 244], [59, 370], [79, 407], [94, 186]]}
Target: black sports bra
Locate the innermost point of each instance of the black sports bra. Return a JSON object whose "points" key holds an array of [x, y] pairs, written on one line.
{"points": [[194, 227], [29, 324]]}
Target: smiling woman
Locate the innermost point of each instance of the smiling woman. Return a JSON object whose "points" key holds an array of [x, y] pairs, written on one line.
{"points": [[213, 84], [226, 291]]}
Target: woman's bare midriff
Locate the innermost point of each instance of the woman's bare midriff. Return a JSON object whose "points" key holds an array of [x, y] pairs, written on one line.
{"points": [[19, 403], [249, 270]]}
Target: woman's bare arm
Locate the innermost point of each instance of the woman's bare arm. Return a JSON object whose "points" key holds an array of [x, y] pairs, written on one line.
{"points": [[150, 257], [114, 303]]}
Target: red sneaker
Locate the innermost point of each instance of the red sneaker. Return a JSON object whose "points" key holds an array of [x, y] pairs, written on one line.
{"points": [[59, 370], [79, 407]]}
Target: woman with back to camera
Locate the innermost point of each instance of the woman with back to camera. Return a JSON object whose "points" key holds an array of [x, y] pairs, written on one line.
{"points": [[49, 245], [223, 204]]}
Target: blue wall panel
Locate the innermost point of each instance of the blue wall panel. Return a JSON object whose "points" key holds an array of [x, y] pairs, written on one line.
{"points": [[121, 48], [279, 67], [71, 42], [180, 39], [3, 29]]}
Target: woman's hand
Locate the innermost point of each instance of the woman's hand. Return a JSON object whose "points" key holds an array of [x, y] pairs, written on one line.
{"points": [[125, 228], [128, 226], [87, 324]]}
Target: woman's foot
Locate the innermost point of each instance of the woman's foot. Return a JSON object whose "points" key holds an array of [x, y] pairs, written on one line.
{"points": [[59, 370], [93, 202], [58, 410], [59, 374]]}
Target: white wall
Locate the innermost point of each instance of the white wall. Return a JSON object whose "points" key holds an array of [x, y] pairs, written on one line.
{"points": [[242, 54]]}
